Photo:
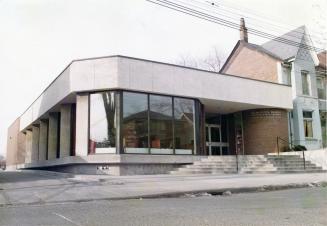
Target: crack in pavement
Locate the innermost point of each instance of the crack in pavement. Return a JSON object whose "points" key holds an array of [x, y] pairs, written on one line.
{"points": [[66, 218]]}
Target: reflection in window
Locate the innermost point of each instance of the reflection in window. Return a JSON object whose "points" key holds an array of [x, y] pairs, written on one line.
{"points": [[184, 125], [135, 122], [161, 124], [102, 123]]}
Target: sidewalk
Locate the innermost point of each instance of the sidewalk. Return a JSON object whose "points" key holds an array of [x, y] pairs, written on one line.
{"points": [[37, 187]]}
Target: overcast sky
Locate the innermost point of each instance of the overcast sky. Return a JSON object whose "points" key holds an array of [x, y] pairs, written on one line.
{"points": [[39, 38]]}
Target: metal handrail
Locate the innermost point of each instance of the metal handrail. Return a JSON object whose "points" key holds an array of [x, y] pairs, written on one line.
{"points": [[291, 144]]}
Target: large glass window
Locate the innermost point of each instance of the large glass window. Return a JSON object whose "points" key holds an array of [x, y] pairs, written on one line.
{"points": [[147, 123], [307, 123], [161, 124], [184, 125], [102, 123], [135, 122]]}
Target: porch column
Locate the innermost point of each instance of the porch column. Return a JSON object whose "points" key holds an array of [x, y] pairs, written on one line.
{"points": [[65, 130], [82, 124], [43, 142], [28, 148], [53, 136], [35, 143]]}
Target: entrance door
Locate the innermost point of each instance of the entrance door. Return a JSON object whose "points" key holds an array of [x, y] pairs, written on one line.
{"points": [[214, 143]]}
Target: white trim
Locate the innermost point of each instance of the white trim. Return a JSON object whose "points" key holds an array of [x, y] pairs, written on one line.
{"points": [[161, 151], [183, 151], [136, 150], [105, 150]]}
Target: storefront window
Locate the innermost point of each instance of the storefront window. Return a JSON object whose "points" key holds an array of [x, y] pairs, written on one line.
{"points": [[161, 124], [102, 123], [135, 122], [184, 125], [147, 123]]}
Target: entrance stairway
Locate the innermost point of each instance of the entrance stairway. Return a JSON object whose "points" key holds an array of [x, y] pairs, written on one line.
{"points": [[248, 164]]}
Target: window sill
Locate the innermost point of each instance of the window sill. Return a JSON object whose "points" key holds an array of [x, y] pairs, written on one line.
{"points": [[310, 139]]}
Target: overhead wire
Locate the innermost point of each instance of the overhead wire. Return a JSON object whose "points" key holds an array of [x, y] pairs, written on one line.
{"points": [[190, 11]]}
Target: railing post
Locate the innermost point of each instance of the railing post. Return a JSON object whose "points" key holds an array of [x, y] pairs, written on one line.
{"points": [[303, 159], [236, 161], [278, 145]]}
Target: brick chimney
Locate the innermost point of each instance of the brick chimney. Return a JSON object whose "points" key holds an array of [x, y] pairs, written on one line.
{"points": [[243, 31]]}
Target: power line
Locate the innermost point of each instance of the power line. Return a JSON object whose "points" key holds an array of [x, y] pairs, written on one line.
{"points": [[249, 17], [233, 18], [249, 11], [232, 24], [217, 20]]}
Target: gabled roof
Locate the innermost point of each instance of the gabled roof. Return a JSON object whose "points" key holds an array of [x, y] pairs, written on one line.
{"points": [[241, 44], [283, 50]]}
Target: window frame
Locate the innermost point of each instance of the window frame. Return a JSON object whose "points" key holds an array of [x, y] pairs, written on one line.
{"points": [[110, 150], [120, 110], [308, 82], [305, 121]]}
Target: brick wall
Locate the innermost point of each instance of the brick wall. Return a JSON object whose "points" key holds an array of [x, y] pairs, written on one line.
{"points": [[261, 128], [251, 63]]}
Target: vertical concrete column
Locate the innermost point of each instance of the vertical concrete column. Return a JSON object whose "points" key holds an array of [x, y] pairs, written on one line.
{"points": [[82, 124], [43, 141], [65, 130], [28, 148], [35, 143], [53, 139]]}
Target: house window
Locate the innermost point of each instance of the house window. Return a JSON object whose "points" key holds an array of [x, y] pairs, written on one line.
{"points": [[307, 123], [321, 88], [323, 117], [305, 83]]}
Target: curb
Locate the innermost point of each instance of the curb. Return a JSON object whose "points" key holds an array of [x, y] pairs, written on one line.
{"points": [[186, 194]]}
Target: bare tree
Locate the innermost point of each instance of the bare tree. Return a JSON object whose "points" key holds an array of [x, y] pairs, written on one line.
{"points": [[187, 61], [109, 107], [211, 62]]}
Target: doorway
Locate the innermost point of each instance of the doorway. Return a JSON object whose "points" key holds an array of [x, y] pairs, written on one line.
{"points": [[215, 145]]}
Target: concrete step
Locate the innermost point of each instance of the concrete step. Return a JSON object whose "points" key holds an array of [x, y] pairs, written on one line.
{"points": [[248, 165], [208, 166], [202, 172], [206, 169], [259, 168], [299, 168], [217, 160]]}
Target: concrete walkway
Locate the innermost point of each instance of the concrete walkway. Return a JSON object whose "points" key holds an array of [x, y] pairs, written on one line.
{"points": [[37, 187]]}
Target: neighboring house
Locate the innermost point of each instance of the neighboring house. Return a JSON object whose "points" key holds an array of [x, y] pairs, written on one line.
{"points": [[291, 60]]}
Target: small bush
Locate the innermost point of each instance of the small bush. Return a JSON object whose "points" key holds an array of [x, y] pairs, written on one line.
{"points": [[299, 148]]}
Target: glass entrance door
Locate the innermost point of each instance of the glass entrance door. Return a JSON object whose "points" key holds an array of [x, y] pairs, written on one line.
{"points": [[214, 143]]}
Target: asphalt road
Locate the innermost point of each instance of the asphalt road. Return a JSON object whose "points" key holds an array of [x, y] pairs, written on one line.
{"points": [[306, 206]]}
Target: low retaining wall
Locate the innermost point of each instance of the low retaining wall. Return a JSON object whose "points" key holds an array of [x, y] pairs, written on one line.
{"points": [[112, 164]]}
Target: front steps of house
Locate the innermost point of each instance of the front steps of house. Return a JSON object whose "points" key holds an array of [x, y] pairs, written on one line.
{"points": [[249, 164]]}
